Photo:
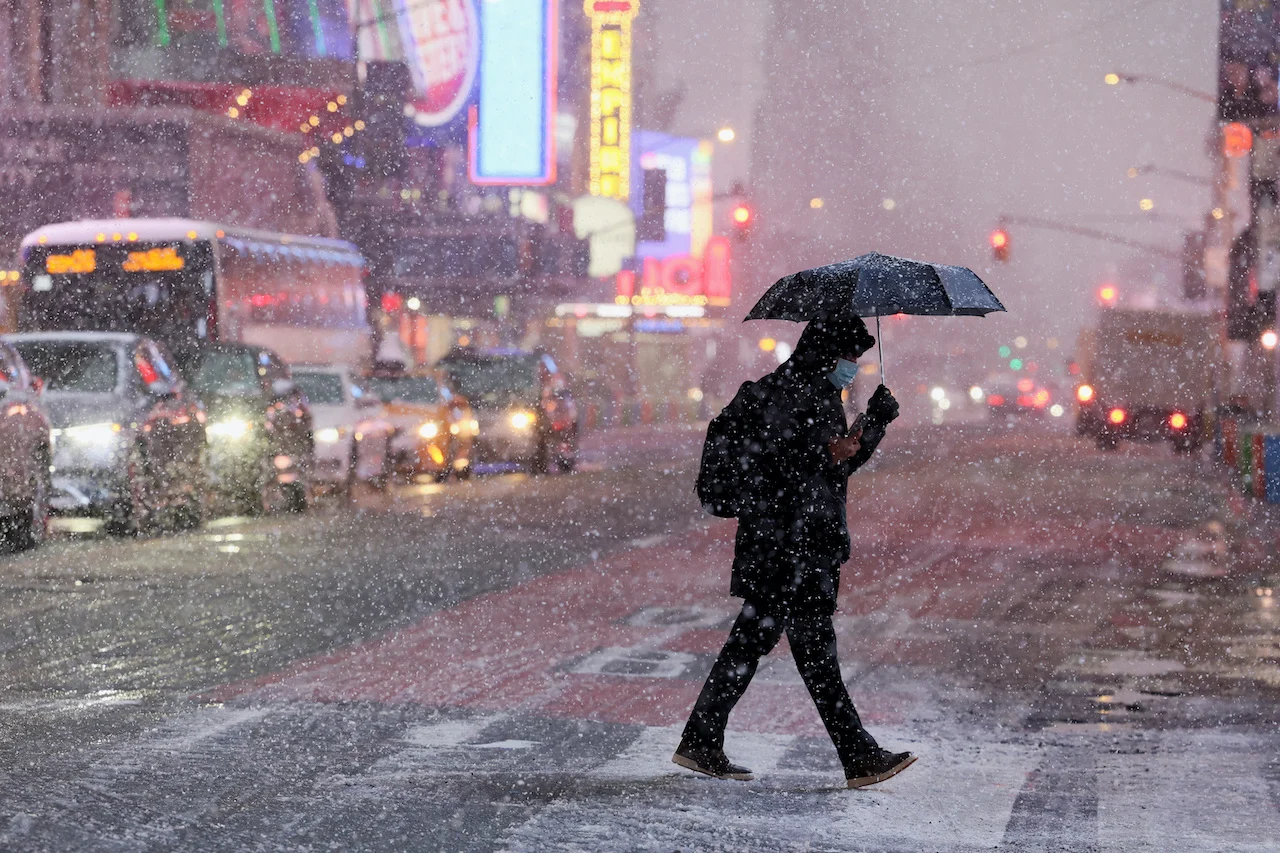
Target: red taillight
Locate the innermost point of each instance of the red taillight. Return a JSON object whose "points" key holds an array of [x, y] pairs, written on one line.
{"points": [[995, 399], [1178, 420], [1026, 401], [1117, 416]]}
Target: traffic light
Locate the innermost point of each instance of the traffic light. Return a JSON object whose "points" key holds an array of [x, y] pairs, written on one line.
{"points": [[1000, 245], [652, 226], [379, 101], [1108, 295], [743, 218]]}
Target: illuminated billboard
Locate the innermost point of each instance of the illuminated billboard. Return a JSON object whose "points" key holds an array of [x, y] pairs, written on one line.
{"points": [[679, 280], [609, 130], [688, 217], [201, 40], [512, 129], [441, 45], [1248, 59]]}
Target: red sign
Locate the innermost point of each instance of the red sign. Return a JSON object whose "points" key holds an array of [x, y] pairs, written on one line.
{"points": [[442, 46], [681, 279]]}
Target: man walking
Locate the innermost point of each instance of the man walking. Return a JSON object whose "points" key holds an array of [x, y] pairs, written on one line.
{"points": [[793, 536]]}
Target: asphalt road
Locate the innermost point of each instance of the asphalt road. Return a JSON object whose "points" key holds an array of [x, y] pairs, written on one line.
{"points": [[1075, 643]]}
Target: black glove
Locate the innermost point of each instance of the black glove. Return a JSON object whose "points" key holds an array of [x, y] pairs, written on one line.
{"points": [[882, 408]]}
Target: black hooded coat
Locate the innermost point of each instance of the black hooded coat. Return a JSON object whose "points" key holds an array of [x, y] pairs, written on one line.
{"points": [[793, 532]]}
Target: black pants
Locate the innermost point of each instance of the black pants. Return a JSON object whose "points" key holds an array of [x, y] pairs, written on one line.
{"points": [[813, 644]]}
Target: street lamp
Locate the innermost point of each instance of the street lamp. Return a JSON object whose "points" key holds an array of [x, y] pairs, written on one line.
{"points": [[1115, 78], [1176, 174], [726, 134]]}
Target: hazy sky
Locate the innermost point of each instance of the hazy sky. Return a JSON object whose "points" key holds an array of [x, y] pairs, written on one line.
{"points": [[985, 107]]}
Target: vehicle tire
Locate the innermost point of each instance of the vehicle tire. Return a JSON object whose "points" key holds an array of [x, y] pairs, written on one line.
{"points": [[297, 495], [256, 498], [29, 528], [542, 456], [382, 480], [133, 514], [348, 487], [567, 454]]}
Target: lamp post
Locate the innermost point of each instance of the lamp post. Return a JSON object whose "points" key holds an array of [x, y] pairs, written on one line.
{"points": [[1115, 78]]}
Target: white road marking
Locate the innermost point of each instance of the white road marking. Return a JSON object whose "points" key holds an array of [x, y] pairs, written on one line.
{"points": [[1200, 790]]}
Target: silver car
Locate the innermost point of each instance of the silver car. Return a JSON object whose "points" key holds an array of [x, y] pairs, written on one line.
{"points": [[24, 455], [128, 437]]}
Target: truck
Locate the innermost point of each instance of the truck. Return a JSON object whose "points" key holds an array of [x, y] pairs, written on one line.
{"points": [[1148, 374]]}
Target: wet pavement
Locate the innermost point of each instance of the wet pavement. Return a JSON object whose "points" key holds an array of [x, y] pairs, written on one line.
{"points": [[1084, 649]]}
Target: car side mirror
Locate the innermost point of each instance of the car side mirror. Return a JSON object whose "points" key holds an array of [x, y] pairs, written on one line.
{"points": [[160, 389], [283, 387]]}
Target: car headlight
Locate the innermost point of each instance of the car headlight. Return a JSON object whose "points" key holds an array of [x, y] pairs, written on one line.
{"points": [[475, 427], [522, 420], [430, 429], [232, 429], [329, 435], [103, 433]]}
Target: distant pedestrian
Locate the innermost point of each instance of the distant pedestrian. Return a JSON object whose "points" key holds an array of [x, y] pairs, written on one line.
{"points": [[785, 453]]}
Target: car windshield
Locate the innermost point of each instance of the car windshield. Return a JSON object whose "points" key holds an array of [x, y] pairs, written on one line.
{"points": [[494, 380], [225, 372], [410, 389], [72, 367], [320, 389]]}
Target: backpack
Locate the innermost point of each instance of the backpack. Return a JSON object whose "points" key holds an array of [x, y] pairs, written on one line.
{"points": [[730, 453]]}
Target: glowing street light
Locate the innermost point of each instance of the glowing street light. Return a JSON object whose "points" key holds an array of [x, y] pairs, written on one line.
{"points": [[1147, 204], [1112, 79], [1269, 339], [726, 134]]}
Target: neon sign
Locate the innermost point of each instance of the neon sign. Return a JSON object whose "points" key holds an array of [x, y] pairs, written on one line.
{"points": [[442, 47], [680, 280], [610, 127], [160, 259], [79, 261]]}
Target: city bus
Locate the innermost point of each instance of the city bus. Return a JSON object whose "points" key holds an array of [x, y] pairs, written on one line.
{"points": [[185, 281]]}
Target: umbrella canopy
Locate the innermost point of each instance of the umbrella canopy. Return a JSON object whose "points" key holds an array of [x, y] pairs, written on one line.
{"points": [[875, 285]]}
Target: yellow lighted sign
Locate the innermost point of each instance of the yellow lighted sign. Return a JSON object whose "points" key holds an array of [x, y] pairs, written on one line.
{"points": [[160, 259], [79, 261], [610, 127]]}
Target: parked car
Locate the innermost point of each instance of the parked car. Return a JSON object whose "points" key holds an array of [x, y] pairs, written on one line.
{"points": [[352, 438], [128, 436], [523, 404], [25, 452], [261, 452], [435, 427]]}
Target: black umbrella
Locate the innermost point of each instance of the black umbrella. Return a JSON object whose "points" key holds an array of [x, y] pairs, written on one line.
{"points": [[873, 285]]}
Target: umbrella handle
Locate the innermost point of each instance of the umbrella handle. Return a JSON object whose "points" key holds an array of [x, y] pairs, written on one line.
{"points": [[880, 348]]}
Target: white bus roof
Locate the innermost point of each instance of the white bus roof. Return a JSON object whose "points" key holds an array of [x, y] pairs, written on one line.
{"points": [[86, 231]]}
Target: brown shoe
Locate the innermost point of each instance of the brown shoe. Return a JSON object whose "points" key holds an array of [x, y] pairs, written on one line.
{"points": [[876, 767], [711, 761]]}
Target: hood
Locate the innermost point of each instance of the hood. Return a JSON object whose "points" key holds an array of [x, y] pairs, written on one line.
{"points": [[68, 410], [332, 416], [231, 405], [822, 343]]}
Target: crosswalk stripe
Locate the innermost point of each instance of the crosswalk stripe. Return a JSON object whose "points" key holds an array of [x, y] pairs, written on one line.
{"points": [[303, 774], [1192, 790]]}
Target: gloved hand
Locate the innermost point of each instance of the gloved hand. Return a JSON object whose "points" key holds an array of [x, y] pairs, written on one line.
{"points": [[882, 408]]}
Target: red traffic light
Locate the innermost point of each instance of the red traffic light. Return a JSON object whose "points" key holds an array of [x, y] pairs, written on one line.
{"points": [[1000, 245], [743, 217]]}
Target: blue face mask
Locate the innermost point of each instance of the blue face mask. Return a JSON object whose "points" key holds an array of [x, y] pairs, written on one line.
{"points": [[844, 373]]}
